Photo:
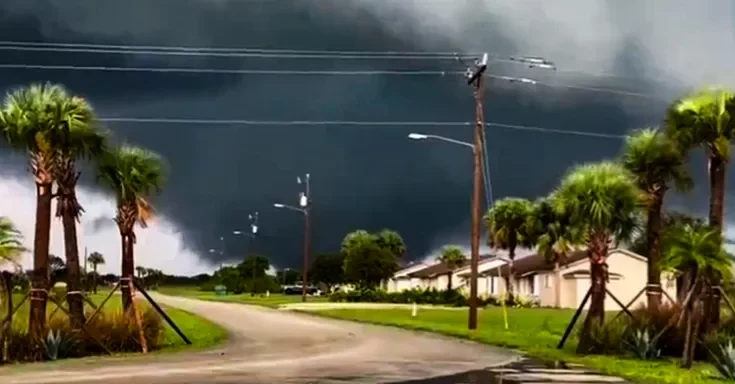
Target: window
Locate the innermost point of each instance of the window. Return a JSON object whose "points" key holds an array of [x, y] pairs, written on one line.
{"points": [[547, 281], [532, 284]]}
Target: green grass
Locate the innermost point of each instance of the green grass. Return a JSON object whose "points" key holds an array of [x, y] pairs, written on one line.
{"points": [[275, 300], [201, 332], [535, 332]]}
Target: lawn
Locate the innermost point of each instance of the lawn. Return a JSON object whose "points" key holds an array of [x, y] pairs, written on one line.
{"points": [[275, 300], [201, 332], [536, 332]]}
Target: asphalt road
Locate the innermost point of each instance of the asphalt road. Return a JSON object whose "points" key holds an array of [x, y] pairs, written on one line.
{"points": [[269, 346]]}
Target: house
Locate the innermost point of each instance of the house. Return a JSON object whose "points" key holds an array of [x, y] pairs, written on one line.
{"points": [[426, 276], [402, 279], [534, 277]]}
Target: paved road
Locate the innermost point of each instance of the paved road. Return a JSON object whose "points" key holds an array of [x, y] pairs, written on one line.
{"points": [[270, 346]]}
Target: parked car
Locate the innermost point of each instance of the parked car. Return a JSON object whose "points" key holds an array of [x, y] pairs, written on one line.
{"points": [[297, 290]]}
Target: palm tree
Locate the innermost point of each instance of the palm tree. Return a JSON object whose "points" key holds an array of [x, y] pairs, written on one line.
{"points": [[35, 119], [555, 237], [506, 228], [11, 247], [133, 174], [696, 248], [141, 271], [453, 257], [95, 258], [82, 139], [11, 250], [703, 120], [602, 200], [657, 164]]}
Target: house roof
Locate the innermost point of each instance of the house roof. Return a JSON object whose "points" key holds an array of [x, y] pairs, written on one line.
{"points": [[538, 263], [439, 269]]}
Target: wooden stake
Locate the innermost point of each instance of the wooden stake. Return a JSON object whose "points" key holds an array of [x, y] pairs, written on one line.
{"points": [[138, 321]]}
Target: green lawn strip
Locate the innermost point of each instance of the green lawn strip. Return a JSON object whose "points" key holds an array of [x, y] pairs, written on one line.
{"points": [[201, 332], [535, 332], [273, 301]]}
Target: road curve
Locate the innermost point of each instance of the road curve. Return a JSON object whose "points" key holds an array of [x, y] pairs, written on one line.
{"points": [[269, 346]]}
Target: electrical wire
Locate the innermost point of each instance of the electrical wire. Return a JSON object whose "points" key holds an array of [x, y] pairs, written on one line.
{"points": [[294, 72], [273, 53], [162, 120], [303, 56]]}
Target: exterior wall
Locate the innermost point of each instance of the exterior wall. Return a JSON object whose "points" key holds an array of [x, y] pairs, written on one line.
{"points": [[632, 278], [547, 289]]}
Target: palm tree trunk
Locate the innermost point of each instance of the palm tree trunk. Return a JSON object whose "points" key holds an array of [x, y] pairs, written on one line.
{"points": [[128, 272], [653, 236], [94, 278], [73, 286], [717, 177], [510, 279], [693, 313], [557, 287], [598, 279], [6, 279], [41, 240], [449, 282]]}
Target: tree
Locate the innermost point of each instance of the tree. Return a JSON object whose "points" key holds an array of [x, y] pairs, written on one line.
{"points": [[391, 241], [81, 138], [254, 267], [141, 271], [288, 276], [506, 229], [36, 119], [96, 259], [555, 236], [368, 264], [328, 269], [11, 247], [57, 266], [453, 257], [133, 174], [657, 164], [703, 120], [602, 200], [696, 248]]}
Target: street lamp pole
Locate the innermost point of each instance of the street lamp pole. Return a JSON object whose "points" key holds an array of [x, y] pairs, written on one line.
{"points": [[305, 209]]}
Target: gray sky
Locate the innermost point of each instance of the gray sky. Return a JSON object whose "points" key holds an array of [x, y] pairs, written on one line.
{"points": [[363, 177]]}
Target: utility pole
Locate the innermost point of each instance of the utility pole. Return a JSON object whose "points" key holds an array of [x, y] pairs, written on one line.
{"points": [[475, 78], [253, 217], [305, 204]]}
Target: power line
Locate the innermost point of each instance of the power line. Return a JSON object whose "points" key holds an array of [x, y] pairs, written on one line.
{"points": [[271, 53], [229, 49], [163, 120], [101, 68], [296, 72], [264, 55]]}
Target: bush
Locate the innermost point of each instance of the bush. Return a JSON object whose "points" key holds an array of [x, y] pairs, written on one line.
{"points": [[116, 331], [429, 296]]}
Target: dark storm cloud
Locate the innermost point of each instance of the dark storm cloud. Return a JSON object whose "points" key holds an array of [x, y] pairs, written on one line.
{"points": [[362, 177]]}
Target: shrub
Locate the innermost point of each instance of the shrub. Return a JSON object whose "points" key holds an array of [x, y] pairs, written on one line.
{"points": [[610, 338], [116, 331]]}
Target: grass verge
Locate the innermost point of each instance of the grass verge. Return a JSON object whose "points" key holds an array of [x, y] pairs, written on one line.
{"points": [[275, 300], [201, 332], [535, 332]]}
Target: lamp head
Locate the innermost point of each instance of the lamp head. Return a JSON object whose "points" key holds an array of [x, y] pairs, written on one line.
{"points": [[417, 136], [278, 205]]}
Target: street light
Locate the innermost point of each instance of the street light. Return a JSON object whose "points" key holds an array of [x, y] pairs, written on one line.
{"points": [[305, 209], [422, 136], [253, 217]]}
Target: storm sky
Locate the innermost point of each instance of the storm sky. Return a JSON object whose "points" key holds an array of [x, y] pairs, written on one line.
{"points": [[363, 177]]}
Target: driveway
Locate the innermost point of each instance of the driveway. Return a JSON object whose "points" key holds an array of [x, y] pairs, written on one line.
{"points": [[270, 346]]}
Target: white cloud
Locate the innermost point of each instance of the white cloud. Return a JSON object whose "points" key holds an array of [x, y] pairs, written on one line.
{"points": [[159, 246]]}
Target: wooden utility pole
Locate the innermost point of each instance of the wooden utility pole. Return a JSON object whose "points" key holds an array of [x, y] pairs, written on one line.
{"points": [[475, 79]]}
